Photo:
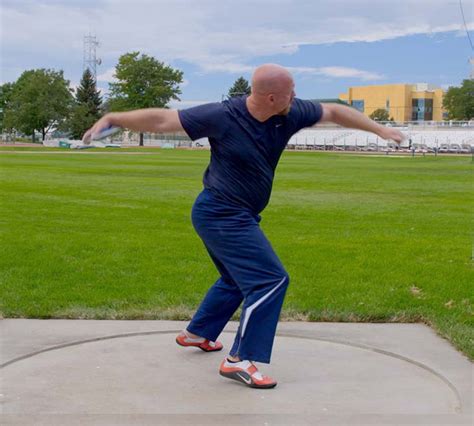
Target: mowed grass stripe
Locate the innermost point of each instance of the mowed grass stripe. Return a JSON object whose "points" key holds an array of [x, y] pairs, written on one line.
{"points": [[363, 238]]}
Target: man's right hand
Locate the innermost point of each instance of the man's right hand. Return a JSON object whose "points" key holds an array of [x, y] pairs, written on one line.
{"points": [[104, 123]]}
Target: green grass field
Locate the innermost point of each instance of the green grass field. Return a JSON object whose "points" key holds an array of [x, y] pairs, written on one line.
{"points": [[364, 238]]}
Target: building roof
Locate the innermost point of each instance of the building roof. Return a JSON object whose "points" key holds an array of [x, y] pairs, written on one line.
{"points": [[330, 101]]}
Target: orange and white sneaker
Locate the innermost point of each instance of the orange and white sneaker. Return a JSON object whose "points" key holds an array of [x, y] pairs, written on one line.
{"points": [[247, 373], [200, 342]]}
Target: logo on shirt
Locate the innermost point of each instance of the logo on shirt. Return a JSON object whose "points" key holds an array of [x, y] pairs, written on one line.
{"points": [[278, 125]]}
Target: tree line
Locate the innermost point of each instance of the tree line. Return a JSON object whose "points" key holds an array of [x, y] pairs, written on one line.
{"points": [[42, 100]]}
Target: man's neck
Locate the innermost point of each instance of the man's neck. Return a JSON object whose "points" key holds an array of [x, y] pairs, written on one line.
{"points": [[255, 111]]}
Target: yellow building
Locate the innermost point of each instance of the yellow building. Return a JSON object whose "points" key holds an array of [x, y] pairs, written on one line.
{"points": [[404, 102]]}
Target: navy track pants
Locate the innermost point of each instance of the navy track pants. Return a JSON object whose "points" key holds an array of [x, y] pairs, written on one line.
{"points": [[250, 272]]}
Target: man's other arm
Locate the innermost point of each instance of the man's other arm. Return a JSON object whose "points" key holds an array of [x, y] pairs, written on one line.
{"points": [[349, 117], [154, 120]]}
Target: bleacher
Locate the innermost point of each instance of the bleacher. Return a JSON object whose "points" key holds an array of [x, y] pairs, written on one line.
{"points": [[323, 138], [460, 141]]}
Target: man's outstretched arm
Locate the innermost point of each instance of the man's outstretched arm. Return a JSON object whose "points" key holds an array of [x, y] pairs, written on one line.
{"points": [[350, 117], [155, 120]]}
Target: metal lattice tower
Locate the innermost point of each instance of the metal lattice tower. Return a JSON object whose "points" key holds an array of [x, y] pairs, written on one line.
{"points": [[90, 59], [471, 59]]}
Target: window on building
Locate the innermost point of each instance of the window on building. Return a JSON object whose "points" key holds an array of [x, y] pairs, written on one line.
{"points": [[415, 105], [387, 105], [428, 110], [422, 109], [358, 105]]}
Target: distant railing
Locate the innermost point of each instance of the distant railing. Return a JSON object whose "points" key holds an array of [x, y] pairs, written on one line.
{"points": [[439, 125], [386, 149], [420, 125]]}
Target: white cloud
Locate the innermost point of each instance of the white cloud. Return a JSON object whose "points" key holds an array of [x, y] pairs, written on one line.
{"points": [[330, 71], [214, 35], [228, 67], [337, 72], [107, 76]]}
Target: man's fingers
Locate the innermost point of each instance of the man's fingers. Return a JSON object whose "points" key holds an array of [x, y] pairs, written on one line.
{"points": [[98, 126], [398, 136], [87, 138]]}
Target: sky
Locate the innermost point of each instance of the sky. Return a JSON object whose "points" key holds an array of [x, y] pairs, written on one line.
{"points": [[328, 45]]}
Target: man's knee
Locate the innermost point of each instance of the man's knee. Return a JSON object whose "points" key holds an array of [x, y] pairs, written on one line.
{"points": [[286, 279], [282, 281]]}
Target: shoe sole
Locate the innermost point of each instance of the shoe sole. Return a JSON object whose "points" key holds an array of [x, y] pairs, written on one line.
{"points": [[197, 346], [252, 384]]}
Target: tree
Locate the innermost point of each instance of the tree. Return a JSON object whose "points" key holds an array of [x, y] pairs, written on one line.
{"points": [[5, 97], [88, 94], [143, 82], [87, 108], [240, 87], [40, 99], [380, 114], [459, 101]]}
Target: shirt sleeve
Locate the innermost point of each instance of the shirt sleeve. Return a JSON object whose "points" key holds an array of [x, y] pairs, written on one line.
{"points": [[203, 121], [309, 113]]}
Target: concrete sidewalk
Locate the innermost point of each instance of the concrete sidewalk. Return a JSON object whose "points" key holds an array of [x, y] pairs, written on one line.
{"points": [[60, 372]]}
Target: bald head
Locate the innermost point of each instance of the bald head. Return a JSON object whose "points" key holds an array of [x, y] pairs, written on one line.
{"points": [[271, 78], [272, 92]]}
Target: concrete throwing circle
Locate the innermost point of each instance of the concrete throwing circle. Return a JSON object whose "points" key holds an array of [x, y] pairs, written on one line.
{"points": [[149, 373]]}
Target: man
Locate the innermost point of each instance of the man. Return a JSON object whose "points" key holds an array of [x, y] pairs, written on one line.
{"points": [[247, 136]]}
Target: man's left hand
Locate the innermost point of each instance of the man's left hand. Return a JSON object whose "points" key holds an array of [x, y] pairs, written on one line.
{"points": [[390, 133]]}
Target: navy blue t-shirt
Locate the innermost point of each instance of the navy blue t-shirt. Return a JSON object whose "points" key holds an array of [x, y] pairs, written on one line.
{"points": [[245, 151]]}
